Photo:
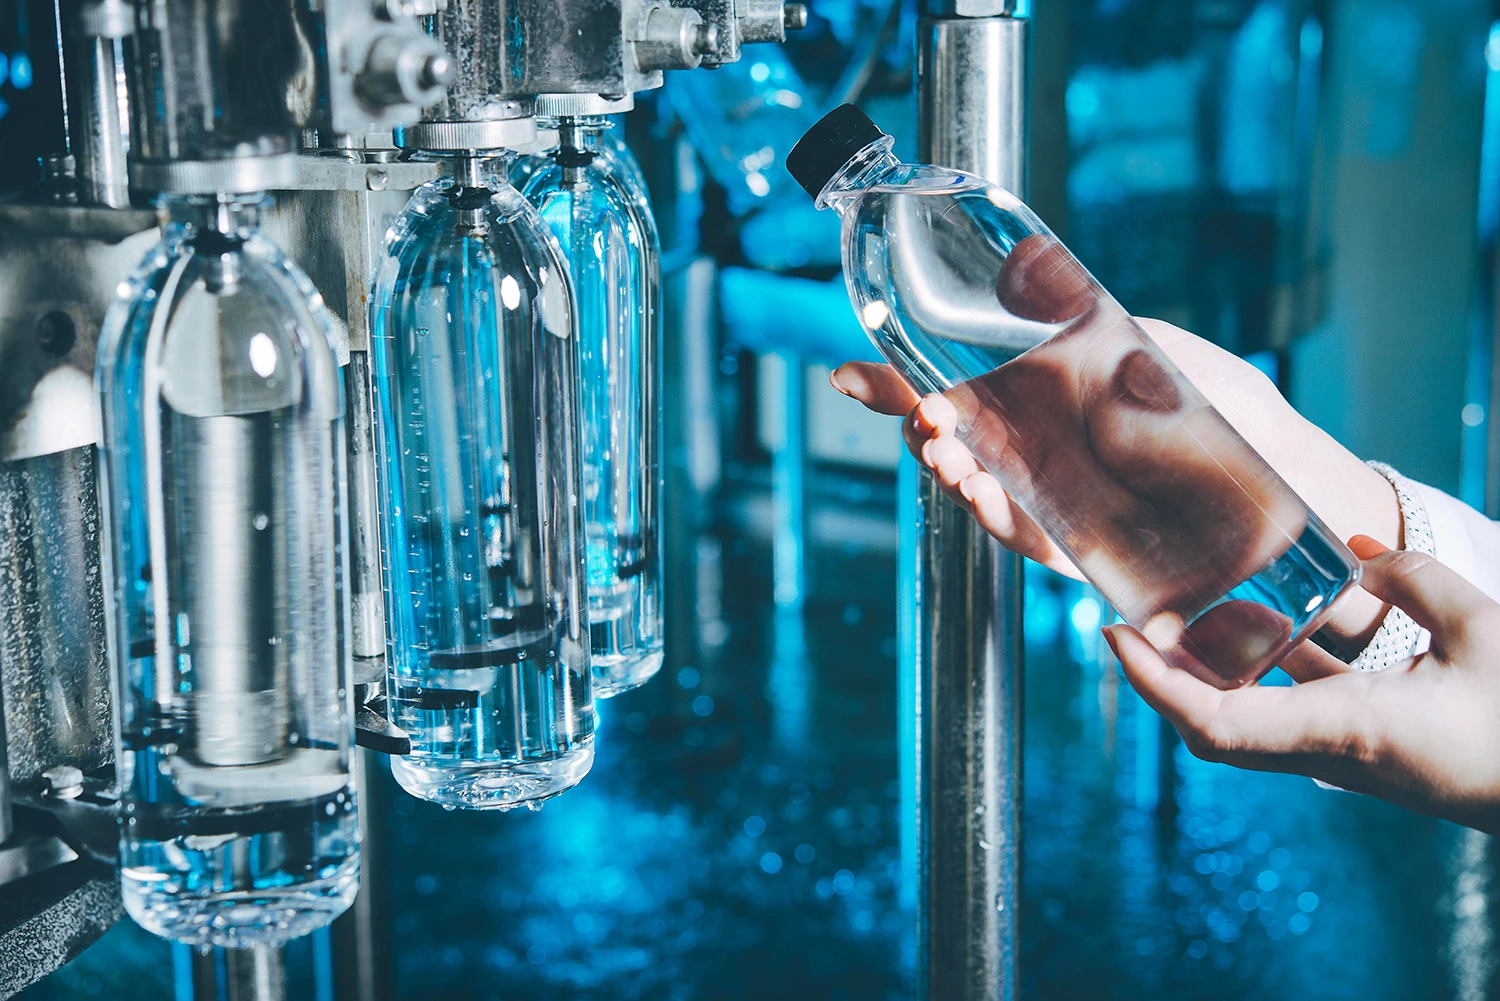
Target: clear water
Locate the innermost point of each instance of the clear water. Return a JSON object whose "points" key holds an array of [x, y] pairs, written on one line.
{"points": [[475, 379], [1183, 528], [603, 224], [238, 878], [223, 491]]}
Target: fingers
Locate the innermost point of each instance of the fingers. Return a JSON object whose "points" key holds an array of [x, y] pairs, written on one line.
{"points": [[876, 386], [1434, 596], [1307, 662], [932, 417], [1042, 281], [949, 461], [1301, 729]]}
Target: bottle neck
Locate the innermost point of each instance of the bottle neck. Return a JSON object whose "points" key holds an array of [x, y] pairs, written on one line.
{"points": [[864, 169], [235, 217], [579, 131], [486, 169]]}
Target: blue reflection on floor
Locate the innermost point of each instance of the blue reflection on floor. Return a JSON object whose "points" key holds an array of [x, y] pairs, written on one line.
{"points": [[722, 848], [717, 853]]}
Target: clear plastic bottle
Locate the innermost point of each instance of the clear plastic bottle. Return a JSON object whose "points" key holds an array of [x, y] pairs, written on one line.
{"points": [[588, 192], [475, 376], [1187, 531], [223, 497]]}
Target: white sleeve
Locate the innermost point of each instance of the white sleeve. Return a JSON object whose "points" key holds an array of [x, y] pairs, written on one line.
{"points": [[1455, 535], [1463, 540]]}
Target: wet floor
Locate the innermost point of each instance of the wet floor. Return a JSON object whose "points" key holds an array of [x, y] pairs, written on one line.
{"points": [[740, 838]]}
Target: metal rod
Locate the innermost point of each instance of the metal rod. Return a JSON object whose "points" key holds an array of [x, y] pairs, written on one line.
{"points": [[6, 825], [366, 594], [96, 128], [363, 967], [971, 76], [256, 974]]}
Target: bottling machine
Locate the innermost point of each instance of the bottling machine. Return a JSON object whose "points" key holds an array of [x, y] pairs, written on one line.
{"points": [[340, 110]]}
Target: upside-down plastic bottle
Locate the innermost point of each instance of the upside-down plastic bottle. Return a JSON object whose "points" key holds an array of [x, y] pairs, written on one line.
{"points": [[223, 500], [589, 192], [474, 367]]}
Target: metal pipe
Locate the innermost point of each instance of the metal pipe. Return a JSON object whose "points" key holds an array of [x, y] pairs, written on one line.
{"points": [[971, 74], [96, 128], [257, 974], [366, 594], [363, 969], [6, 825]]}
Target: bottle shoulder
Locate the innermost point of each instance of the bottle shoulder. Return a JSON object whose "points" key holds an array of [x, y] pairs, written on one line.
{"points": [[222, 329]]}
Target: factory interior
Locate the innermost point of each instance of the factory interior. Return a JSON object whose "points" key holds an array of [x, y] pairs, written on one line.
{"points": [[706, 693]]}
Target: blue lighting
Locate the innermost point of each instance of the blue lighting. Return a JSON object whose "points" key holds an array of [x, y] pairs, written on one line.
{"points": [[20, 71], [4, 68]]}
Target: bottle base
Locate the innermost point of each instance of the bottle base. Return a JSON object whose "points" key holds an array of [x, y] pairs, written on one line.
{"points": [[613, 675], [240, 919], [493, 786]]}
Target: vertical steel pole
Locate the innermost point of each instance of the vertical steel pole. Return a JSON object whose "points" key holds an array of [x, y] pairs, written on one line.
{"points": [[971, 94], [96, 127]]}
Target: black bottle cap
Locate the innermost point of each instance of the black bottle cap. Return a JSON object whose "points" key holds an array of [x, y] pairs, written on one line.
{"points": [[829, 145]]}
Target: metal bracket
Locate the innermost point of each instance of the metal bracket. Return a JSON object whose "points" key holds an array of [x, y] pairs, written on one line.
{"points": [[374, 731]]}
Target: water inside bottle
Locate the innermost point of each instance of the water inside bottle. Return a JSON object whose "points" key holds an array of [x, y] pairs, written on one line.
{"points": [[1181, 525]]}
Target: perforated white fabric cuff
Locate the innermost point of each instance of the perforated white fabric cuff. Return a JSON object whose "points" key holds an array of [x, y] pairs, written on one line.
{"points": [[1399, 638]]}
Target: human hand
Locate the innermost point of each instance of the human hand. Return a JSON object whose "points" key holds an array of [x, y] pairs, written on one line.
{"points": [[1424, 734], [1349, 496]]}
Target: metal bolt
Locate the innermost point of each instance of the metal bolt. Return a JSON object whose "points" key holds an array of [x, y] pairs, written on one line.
{"points": [[437, 71], [376, 180], [794, 16], [63, 782], [705, 39]]}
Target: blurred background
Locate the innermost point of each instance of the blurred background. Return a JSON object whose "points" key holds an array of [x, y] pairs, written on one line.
{"points": [[1315, 185]]}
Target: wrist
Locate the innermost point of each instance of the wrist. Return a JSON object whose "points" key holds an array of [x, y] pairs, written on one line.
{"points": [[1371, 506]]}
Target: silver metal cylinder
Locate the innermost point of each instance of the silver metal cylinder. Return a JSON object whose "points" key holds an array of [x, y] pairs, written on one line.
{"points": [[96, 129], [6, 825], [366, 586], [216, 81], [489, 57], [257, 974], [52, 663], [971, 116], [240, 694], [971, 94]]}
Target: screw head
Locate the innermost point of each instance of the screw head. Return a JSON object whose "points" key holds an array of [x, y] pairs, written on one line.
{"points": [[706, 39], [63, 782], [438, 70]]}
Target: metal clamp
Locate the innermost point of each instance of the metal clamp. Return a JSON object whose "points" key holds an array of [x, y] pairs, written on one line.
{"points": [[505, 133], [235, 175]]}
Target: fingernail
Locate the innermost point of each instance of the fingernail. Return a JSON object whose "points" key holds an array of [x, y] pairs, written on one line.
{"points": [[1367, 548], [966, 489], [927, 450], [1109, 637], [923, 422], [837, 382]]}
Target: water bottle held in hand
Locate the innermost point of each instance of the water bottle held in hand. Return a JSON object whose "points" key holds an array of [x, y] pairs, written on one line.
{"points": [[1178, 522]]}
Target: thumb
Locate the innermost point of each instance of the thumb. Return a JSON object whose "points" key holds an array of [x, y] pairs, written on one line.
{"points": [[1436, 598], [1298, 729]]}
